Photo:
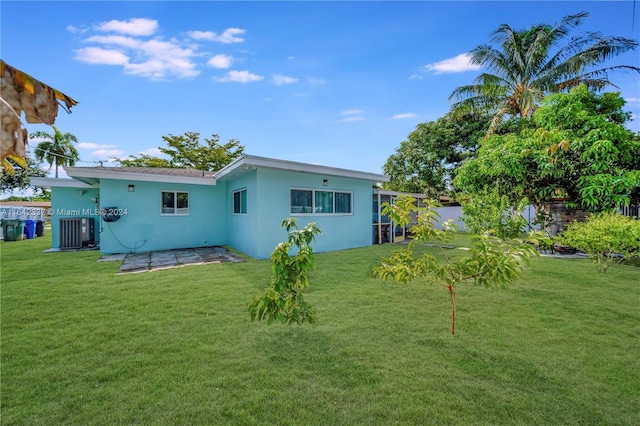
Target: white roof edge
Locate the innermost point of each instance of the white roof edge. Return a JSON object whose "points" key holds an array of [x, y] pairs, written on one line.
{"points": [[96, 172], [390, 192], [272, 163], [60, 183]]}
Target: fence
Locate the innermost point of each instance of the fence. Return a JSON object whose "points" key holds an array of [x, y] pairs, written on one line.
{"points": [[632, 210]]}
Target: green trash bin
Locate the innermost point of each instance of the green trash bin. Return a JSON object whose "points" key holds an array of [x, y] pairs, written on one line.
{"points": [[13, 229]]}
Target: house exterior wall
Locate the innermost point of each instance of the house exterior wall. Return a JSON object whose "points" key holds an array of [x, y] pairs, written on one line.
{"points": [[143, 228], [273, 205], [242, 229], [211, 219], [69, 203]]}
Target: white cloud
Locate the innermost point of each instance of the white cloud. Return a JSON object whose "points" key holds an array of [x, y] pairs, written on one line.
{"points": [[220, 61], [351, 119], [351, 115], [415, 77], [632, 100], [155, 152], [402, 116], [156, 59], [159, 69], [239, 77], [227, 36], [314, 81], [89, 145], [127, 44], [159, 49], [117, 40], [75, 30], [105, 154], [98, 55], [279, 79], [134, 26], [458, 63]]}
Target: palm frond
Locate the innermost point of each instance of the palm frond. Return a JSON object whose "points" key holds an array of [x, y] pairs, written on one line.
{"points": [[528, 64], [498, 117], [567, 23]]}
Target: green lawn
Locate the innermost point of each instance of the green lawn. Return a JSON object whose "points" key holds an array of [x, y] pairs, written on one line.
{"points": [[82, 345]]}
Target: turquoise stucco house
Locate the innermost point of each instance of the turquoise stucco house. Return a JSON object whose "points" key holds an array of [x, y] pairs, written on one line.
{"points": [[127, 210]]}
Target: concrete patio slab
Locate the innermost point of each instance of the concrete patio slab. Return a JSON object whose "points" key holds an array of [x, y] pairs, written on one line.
{"points": [[163, 258], [136, 262], [149, 261], [187, 256]]}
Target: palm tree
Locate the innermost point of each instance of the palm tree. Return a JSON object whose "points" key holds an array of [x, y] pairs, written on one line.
{"points": [[530, 64], [56, 149]]}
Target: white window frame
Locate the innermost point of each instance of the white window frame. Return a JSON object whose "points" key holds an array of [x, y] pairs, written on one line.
{"points": [[313, 202], [233, 201], [175, 201]]}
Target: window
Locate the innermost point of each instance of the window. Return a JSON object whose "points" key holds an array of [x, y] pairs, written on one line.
{"points": [[308, 201], [301, 201], [343, 202], [240, 202], [175, 203], [324, 202]]}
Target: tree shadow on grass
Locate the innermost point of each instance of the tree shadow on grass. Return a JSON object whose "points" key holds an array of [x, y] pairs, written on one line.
{"points": [[308, 354], [523, 390]]}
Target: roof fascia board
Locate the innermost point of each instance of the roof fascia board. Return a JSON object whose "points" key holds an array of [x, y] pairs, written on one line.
{"points": [[60, 183], [270, 163], [144, 177], [389, 192]]}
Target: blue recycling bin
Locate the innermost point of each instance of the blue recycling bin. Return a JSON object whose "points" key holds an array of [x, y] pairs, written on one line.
{"points": [[30, 229]]}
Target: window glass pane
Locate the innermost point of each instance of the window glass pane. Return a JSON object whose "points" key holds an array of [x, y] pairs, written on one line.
{"points": [[343, 202], [168, 202], [182, 203], [375, 209], [301, 201], [324, 202], [385, 199], [236, 202], [240, 202], [243, 201]]}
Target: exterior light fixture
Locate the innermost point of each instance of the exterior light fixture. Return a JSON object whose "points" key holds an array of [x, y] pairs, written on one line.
{"points": [[325, 182], [81, 191], [132, 188]]}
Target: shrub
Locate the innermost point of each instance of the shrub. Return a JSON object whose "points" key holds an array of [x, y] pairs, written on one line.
{"points": [[606, 237], [283, 299], [491, 262], [490, 212]]}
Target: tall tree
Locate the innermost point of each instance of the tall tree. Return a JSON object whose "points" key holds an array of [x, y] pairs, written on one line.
{"points": [[186, 151], [529, 64], [56, 149], [427, 160], [21, 177], [144, 160], [580, 150]]}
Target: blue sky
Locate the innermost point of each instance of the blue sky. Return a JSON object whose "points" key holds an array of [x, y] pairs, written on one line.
{"points": [[332, 83]]}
